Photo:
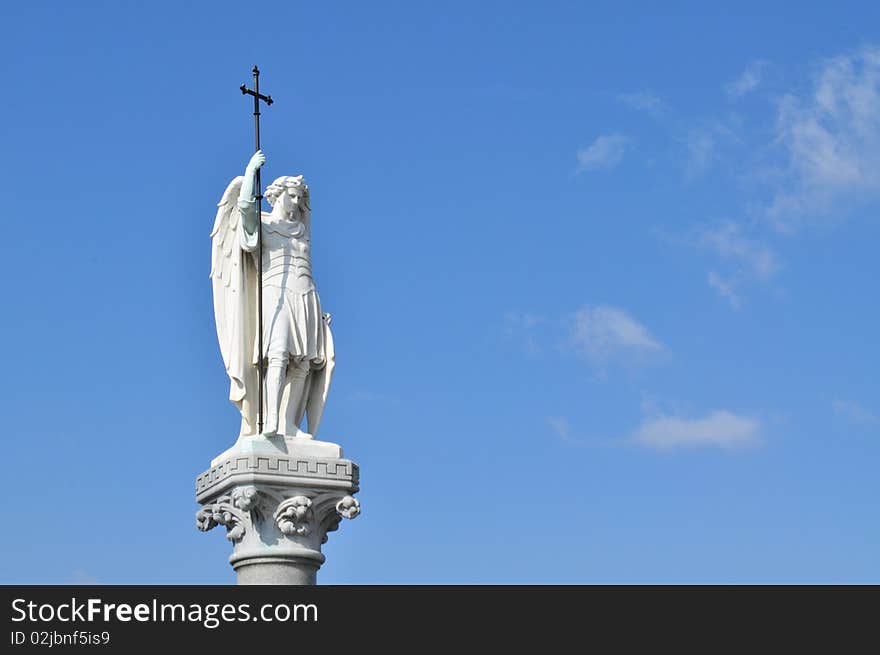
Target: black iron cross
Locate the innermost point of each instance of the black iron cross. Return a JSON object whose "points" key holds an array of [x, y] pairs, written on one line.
{"points": [[257, 97], [259, 196]]}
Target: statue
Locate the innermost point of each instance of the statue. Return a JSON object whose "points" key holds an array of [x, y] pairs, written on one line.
{"points": [[298, 350]]}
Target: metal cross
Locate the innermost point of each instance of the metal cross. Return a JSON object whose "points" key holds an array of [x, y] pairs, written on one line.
{"points": [[268, 100]]}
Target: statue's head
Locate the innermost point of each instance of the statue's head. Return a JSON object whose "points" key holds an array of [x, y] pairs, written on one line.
{"points": [[291, 191]]}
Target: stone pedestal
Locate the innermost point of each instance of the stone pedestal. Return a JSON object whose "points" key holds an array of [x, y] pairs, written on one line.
{"points": [[278, 499]]}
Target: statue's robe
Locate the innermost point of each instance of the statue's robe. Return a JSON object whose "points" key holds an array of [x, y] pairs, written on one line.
{"points": [[292, 318]]}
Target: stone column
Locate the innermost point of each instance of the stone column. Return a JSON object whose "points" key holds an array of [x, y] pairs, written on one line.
{"points": [[278, 499]]}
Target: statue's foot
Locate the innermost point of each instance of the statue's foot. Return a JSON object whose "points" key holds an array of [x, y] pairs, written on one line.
{"points": [[270, 428]]}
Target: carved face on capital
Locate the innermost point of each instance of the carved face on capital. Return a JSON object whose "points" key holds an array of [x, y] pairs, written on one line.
{"points": [[291, 192]]}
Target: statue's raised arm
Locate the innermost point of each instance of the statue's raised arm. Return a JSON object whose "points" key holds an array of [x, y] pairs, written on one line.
{"points": [[247, 201]]}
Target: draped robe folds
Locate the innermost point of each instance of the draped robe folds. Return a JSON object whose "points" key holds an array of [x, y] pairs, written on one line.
{"points": [[235, 279]]}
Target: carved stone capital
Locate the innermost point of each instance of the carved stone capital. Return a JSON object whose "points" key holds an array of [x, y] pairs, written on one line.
{"points": [[245, 498], [276, 516], [349, 507], [293, 516], [223, 512]]}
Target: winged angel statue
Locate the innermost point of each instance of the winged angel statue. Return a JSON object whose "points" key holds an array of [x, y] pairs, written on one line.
{"points": [[297, 344]]}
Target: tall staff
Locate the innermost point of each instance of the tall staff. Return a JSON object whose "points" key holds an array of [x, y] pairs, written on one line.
{"points": [[255, 92]]}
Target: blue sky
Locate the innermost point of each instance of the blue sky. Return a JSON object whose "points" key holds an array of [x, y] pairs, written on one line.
{"points": [[603, 278]]}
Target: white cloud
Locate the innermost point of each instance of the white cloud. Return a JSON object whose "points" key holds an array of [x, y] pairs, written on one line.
{"points": [[671, 430], [831, 141], [741, 260], [606, 152], [83, 577], [747, 82], [720, 429], [818, 163], [560, 427], [708, 144], [727, 240], [599, 334], [526, 326], [642, 101], [515, 320], [700, 146], [726, 289], [854, 412], [602, 333]]}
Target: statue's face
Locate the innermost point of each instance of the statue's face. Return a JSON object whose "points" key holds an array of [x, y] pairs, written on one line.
{"points": [[290, 200], [288, 194]]}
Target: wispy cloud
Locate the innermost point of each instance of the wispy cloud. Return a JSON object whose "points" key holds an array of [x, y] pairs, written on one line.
{"points": [[725, 288], [515, 320], [707, 144], [854, 412], [560, 427], [727, 240], [642, 101], [524, 326], [741, 259], [831, 141], [701, 153], [820, 161], [719, 429], [602, 334], [605, 152], [673, 430], [747, 82], [83, 577]]}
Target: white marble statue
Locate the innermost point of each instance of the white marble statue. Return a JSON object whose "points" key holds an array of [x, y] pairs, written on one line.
{"points": [[297, 344]]}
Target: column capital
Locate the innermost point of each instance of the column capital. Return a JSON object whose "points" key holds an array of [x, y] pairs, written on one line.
{"points": [[278, 502]]}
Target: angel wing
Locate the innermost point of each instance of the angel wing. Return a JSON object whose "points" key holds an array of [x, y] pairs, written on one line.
{"points": [[234, 279]]}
